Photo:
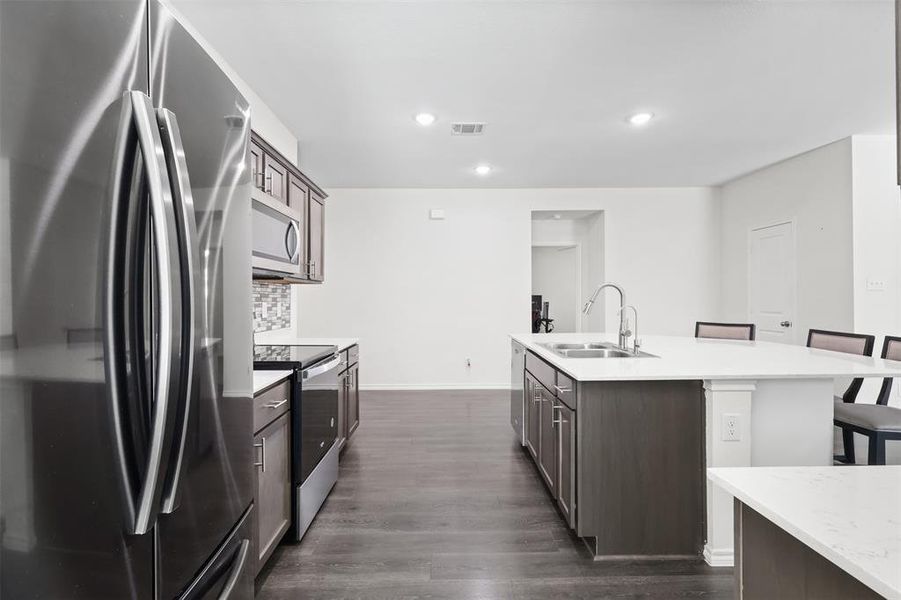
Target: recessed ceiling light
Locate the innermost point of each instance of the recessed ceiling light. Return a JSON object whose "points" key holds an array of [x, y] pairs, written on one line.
{"points": [[641, 118], [425, 119], [483, 169]]}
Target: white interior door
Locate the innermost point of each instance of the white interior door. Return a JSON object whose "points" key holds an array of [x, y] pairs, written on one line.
{"points": [[772, 282]]}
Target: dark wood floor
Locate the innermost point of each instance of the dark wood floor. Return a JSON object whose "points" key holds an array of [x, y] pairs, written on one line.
{"points": [[435, 500]]}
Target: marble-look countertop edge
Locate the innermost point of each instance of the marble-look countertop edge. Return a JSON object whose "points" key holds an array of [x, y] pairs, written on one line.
{"points": [[795, 362], [264, 378], [720, 476]]}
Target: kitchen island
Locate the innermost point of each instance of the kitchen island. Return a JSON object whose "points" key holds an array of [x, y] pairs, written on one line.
{"points": [[816, 532], [636, 433]]}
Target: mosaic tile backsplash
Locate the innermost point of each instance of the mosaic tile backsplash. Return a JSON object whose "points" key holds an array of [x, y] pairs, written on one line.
{"points": [[271, 306]]}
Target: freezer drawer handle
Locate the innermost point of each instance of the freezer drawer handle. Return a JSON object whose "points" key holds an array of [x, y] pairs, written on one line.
{"points": [[235, 573], [280, 403]]}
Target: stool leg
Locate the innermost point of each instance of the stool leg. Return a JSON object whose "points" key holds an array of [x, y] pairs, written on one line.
{"points": [[848, 443], [876, 450]]}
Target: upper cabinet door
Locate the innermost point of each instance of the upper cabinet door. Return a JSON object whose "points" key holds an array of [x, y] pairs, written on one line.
{"points": [[298, 199], [316, 220], [275, 178], [256, 165]]}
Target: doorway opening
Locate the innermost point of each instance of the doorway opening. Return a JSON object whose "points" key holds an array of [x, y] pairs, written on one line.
{"points": [[567, 263]]}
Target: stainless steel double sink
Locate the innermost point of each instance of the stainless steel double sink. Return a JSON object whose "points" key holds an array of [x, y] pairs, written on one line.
{"points": [[591, 350]]}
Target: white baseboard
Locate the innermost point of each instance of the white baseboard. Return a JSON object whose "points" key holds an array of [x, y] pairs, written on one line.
{"points": [[719, 557], [434, 386]]}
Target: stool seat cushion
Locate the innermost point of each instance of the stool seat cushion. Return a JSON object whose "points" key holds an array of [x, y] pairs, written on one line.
{"points": [[869, 416]]}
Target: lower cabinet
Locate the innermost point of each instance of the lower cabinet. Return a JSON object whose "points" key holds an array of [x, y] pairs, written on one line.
{"points": [[349, 396], [550, 436], [566, 464], [532, 415], [272, 495], [547, 447], [353, 399]]}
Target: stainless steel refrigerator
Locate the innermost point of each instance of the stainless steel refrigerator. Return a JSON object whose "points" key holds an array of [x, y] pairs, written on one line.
{"points": [[125, 332]]}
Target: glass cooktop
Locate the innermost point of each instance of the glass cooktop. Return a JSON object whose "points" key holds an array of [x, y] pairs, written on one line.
{"points": [[288, 356]]}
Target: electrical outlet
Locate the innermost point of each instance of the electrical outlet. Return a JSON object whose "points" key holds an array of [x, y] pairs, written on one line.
{"points": [[875, 285], [731, 430], [468, 363]]}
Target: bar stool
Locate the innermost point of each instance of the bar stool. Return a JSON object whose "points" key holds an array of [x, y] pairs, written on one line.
{"points": [[725, 331], [879, 422], [849, 343]]}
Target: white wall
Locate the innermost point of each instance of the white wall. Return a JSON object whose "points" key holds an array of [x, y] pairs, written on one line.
{"points": [[556, 277], [876, 243], [815, 189], [424, 295]]}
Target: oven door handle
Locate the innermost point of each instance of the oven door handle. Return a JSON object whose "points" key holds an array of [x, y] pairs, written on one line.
{"points": [[320, 369]]}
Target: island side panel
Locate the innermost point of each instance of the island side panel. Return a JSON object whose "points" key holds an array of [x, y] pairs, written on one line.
{"points": [[640, 467], [771, 563]]}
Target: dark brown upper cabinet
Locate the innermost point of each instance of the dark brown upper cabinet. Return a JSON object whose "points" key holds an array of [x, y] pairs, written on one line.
{"points": [[280, 180], [316, 220], [256, 165], [275, 178]]}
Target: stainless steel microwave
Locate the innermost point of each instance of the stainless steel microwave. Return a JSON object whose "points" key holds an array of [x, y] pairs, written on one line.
{"points": [[277, 238]]}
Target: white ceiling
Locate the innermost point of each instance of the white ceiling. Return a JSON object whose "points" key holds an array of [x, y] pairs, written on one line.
{"points": [[734, 84]]}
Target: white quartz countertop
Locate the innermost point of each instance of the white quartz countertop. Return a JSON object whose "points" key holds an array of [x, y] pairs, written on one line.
{"points": [[284, 336], [263, 379], [691, 358], [850, 515]]}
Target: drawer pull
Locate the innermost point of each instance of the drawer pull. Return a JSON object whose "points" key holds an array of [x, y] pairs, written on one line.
{"points": [[561, 390], [274, 405], [322, 444]]}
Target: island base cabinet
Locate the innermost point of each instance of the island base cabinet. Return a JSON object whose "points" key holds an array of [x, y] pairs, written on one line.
{"points": [[272, 496], [547, 445], [771, 563], [640, 485], [565, 423], [532, 428]]}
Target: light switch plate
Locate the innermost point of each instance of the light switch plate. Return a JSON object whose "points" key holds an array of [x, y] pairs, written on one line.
{"points": [[436, 214]]}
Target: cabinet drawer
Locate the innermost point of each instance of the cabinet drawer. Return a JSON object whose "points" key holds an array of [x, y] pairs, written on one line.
{"points": [[271, 404], [565, 390], [540, 370], [353, 355]]}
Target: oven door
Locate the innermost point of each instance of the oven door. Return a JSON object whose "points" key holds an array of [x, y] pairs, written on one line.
{"points": [[277, 237], [318, 414]]}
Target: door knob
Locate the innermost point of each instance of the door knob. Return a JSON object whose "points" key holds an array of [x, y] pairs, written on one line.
{"points": [[785, 324]]}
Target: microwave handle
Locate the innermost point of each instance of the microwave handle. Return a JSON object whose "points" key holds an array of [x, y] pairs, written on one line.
{"points": [[292, 254]]}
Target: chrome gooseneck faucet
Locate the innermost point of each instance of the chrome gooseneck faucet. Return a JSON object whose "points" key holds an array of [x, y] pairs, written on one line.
{"points": [[623, 333]]}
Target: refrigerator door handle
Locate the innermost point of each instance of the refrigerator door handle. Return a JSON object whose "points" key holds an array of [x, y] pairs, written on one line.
{"points": [[189, 250], [168, 347], [235, 573]]}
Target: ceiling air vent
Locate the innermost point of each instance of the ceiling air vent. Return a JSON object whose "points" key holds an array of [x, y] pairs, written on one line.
{"points": [[467, 128]]}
